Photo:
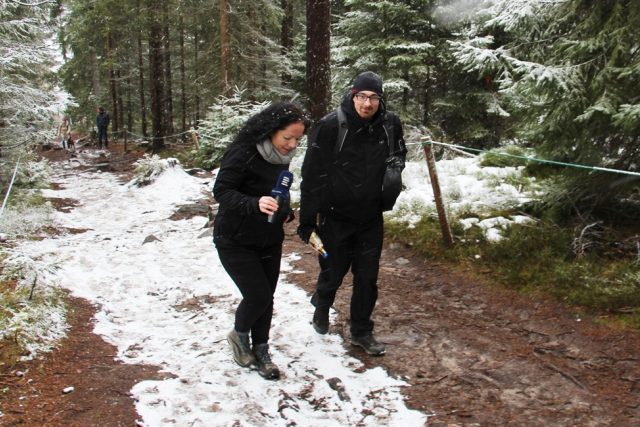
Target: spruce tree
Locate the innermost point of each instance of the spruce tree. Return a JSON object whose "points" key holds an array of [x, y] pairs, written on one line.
{"points": [[28, 94], [569, 71]]}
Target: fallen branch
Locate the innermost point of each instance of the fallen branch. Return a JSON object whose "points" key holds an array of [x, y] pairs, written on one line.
{"points": [[566, 375], [33, 286]]}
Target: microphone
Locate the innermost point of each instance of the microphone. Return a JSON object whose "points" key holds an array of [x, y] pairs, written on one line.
{"points": [[281, 191]]}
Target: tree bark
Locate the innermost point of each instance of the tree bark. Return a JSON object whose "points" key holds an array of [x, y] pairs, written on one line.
{"points": [[318, 57], [113, 89], [96, 87], [286, 36], [156, 78], [196, 50], [143, 105], [224, 44], [119, 90], [183, 91], [168, 75], [129, 104]]}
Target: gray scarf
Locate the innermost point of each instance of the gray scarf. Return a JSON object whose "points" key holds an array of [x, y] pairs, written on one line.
{"points": [[271, 155]]}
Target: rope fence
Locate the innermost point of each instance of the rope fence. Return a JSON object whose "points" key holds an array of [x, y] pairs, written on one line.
{"points": [[456, 147]]}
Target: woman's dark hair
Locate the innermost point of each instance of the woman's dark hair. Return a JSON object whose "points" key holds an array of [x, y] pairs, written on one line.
{"points": [[267, 122]]}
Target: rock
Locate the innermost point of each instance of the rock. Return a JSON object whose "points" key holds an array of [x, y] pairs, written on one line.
{"points": [[150, 238]]}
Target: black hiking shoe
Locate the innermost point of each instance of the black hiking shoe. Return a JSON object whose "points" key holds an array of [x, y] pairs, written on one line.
{"points": [[369, 344], [239, 342], [321, 320], [266, 367]]}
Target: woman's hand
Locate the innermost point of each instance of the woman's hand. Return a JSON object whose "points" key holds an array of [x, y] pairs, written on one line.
{"points": [[267, 205]]}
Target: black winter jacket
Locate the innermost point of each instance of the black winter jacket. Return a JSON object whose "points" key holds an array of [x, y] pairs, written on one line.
{"points": [[347, 185], [102, 120], [243, 178]]}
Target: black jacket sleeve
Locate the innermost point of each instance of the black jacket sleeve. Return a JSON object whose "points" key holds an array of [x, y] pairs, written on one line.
{"points": [[231, 175], [315, 173]]}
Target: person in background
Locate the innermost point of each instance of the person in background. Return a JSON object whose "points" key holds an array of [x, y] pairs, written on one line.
{"points": [[64, 132], [341, 200], [248, 241], [102, 123]]}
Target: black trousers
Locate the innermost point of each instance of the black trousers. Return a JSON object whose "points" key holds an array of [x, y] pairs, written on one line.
{"points": [[255, 272], [356, 247], [102, 136]]}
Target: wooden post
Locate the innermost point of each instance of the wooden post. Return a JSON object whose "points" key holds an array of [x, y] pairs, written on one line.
{"points": [[125, 140], [437, 194], [194, 137]]}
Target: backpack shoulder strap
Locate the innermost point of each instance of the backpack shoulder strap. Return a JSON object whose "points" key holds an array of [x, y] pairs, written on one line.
{"points": [[342, 130], [388, 128]]}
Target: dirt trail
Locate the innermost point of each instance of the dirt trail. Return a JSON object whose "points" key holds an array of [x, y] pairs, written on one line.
{"points": [[488, 357], [474, 356]]}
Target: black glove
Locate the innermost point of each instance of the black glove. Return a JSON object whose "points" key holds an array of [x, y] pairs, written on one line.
{"points": [[395, 162], [304, 231]]}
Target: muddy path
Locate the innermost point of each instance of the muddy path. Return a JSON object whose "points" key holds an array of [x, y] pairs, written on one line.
{"points": [[474, 355], [489, 357]]}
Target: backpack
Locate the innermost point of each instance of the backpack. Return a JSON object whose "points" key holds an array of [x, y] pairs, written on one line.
{"points": [[392, 181]]}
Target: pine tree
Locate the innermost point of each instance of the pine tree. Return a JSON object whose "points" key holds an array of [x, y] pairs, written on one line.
{"points": [[392, 38], [108, 60], [569, 70], [29, 100]]}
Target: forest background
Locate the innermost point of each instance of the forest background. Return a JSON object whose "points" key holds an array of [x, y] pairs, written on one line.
{"points": [[550, 86]]}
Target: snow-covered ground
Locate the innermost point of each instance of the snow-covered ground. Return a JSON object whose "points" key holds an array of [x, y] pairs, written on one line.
{"points": [[169, 302], [164, 299]]}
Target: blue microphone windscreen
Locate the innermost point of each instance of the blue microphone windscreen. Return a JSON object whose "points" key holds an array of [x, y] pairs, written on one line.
{"points": [[285, 179]]}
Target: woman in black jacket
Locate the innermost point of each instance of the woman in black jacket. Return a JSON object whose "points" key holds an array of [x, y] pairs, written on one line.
{"points": [[248, 229]]}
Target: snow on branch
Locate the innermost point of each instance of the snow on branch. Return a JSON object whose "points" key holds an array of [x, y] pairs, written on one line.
{"points": [[513, 14], [474, 55], [541, 75]]}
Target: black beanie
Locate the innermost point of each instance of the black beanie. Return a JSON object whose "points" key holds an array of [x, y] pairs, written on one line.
{"points": [[367, 81]]}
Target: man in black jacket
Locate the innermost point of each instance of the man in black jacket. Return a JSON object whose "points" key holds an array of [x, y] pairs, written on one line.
{"points": [[341, 200], [102, 123]]}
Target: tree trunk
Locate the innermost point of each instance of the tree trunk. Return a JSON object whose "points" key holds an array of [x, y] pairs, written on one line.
{"points": [[318, 57], [143, 105], [286, 36], [168, 75], [129, 104], [426, 101], [196, 78], [119, 90], [224, 44], [183, 94], [113, 89], [156, 78], [96, 87]]}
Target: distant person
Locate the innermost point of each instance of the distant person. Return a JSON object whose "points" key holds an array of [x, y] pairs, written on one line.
{"points": [[102, 123], [342, 200], [248, 229], [64, 132]]}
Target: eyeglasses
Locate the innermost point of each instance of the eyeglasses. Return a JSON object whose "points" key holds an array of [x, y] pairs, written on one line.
{"points": [[374, 99]]}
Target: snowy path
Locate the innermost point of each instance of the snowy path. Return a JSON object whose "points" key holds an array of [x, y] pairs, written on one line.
{"points": [[169, 303]]}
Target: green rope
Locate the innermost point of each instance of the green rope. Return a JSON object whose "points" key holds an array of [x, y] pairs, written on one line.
{"points": [[533, 159]]}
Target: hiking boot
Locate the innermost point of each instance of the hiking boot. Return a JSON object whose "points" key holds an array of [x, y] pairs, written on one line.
{"points": [[266, 368], [321, 320], [239, 342], [369, 344]]}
